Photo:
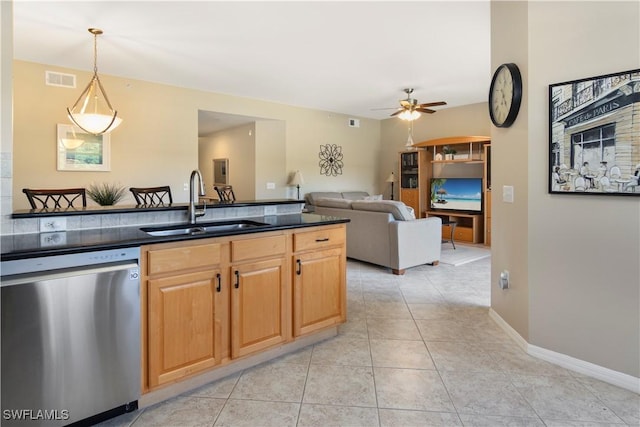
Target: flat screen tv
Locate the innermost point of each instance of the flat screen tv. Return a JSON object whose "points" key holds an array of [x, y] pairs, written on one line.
{"points": [[456, 194]]}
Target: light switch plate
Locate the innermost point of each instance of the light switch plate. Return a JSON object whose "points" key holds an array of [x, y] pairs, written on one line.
{"points": [[271, 185], [507, 193], [53, 224]]}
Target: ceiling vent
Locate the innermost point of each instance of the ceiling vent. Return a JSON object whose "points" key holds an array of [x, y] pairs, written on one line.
{"points": [[53, 78]]}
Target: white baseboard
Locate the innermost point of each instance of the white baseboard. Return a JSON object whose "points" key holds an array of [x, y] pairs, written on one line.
{"points": [[607, 375]]}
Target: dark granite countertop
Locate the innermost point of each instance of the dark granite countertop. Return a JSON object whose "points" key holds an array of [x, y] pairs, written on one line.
{"points": [[99, 210], [21, 246]]}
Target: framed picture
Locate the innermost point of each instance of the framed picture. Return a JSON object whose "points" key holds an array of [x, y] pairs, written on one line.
{"points": [[594, 135], [220, 175], [80, 151]]}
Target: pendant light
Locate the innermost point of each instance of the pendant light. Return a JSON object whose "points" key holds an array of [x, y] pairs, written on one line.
{"points": [[94, 115]]}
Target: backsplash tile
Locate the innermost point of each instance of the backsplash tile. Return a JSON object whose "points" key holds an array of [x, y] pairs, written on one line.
{"points": [[77, 222]]}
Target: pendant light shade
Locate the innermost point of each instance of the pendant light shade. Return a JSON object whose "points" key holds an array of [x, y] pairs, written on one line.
{"points": [[92, 112]]}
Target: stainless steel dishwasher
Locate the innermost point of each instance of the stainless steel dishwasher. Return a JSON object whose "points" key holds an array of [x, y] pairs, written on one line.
{"points": [[70, 337]]}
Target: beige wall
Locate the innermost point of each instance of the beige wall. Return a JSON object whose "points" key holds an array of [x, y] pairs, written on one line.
{"points": [[157, 144], [573, 260], [237, 144], [510, 231]]}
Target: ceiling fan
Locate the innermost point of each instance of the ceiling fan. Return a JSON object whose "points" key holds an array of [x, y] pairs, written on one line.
{"points": [[410, 109]]}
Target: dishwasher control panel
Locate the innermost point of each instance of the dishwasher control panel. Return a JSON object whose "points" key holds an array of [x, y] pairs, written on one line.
{"points": [[55, 262]]}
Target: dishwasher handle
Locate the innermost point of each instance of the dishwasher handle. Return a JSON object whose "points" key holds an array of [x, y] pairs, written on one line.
{"points": [[19, 279]]}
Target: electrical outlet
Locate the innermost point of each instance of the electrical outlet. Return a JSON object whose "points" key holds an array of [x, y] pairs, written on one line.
{"points": [[504, 280], [271, 185], [186, 186], [53, 224], [53, 239]]}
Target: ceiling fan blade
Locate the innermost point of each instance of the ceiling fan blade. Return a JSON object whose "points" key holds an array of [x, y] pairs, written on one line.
{"points": [[388, 108], [432, 104], [397, 112], [425, 110]]}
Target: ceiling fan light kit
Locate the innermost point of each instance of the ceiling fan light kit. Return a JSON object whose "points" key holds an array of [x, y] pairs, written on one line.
{"points": [[95, 114], [410, 110]]}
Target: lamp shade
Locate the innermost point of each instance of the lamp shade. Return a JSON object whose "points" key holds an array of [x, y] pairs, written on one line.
{"points": [[391, 178], [296, 179]]}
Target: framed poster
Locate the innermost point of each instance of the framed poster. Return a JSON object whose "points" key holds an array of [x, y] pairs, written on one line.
{"points": [[80, 151], [594, 135]]}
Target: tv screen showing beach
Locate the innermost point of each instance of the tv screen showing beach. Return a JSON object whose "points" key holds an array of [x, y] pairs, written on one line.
{"points": [[457, 194]]}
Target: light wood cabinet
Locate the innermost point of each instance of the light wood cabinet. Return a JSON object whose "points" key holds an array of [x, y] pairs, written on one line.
{"points": [[487, 195], [468, 227], [472, 159], [414, 173], [319, 284], [182, 285], [210, 301], [260, 297]]}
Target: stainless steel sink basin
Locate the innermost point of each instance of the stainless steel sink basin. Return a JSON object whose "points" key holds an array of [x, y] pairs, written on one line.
{"points": [[204, 228]]}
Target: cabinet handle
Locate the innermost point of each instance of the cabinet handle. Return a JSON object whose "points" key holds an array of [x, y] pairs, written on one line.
{"points": [[299, 269], [326, 239], [219, 287], [237, 273]]}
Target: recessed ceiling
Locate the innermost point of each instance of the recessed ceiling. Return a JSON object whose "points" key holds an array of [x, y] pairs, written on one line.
{"points": [[343, 57]]}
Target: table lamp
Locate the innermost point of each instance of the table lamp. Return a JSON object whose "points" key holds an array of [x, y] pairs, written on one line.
{"points": [[391, 178], [297, 180]]}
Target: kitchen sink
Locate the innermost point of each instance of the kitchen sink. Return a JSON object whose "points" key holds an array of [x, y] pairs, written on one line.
{"points": [[204, 228]]}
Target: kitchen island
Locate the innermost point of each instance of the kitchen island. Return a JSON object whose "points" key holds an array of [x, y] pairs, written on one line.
{"points": [[212, 304]]}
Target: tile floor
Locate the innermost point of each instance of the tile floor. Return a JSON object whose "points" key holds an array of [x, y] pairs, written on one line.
{"points": [[418, 350]]}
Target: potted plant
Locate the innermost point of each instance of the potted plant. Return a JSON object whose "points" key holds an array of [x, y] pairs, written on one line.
{"points": [[448, 152], [106, 194]]}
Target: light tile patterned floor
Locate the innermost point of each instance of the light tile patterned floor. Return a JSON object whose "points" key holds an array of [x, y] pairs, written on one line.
{"points": [[418, 350]]}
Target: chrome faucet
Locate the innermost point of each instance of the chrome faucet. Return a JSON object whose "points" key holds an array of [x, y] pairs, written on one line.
{"points": [[193, 212]]}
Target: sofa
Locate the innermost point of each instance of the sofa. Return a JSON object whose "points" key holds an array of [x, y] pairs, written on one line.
{"points": [[310, 198], [385, 232]]}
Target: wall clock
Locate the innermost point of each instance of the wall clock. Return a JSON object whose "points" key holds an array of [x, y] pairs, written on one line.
{"points": [[505, 95]]}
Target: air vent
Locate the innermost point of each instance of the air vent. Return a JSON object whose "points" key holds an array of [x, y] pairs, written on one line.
{"points": [[53, 78]]}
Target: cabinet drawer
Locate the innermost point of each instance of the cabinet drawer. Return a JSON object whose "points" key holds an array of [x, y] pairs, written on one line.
{"points": [[463, 234], [242, 250], [182, 258], [318, 239]]}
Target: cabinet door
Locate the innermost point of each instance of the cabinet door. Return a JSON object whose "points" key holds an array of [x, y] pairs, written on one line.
{"points": [[319, 292], [411, 197], [259, 309], [184, 336]]}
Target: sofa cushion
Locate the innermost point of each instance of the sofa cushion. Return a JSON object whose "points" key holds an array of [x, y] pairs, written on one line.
{"points": [[374, 197], [354, 195], [315, 195], [334, 203], [397, 209]]}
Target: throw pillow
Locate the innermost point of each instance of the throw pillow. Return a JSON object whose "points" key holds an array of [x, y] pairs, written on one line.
{"points": [[374, 197]]}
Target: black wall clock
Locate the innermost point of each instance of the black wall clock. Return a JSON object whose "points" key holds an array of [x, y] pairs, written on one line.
{"points": [[505, 95]]}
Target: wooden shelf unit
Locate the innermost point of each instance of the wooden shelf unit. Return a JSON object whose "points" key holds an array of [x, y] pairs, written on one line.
{"points": [[431, 161], [469, 227], [487, 195], [414, 172]]}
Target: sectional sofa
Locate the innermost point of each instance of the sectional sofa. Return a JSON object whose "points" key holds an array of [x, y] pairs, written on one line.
{"points": [[385, 232]]}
